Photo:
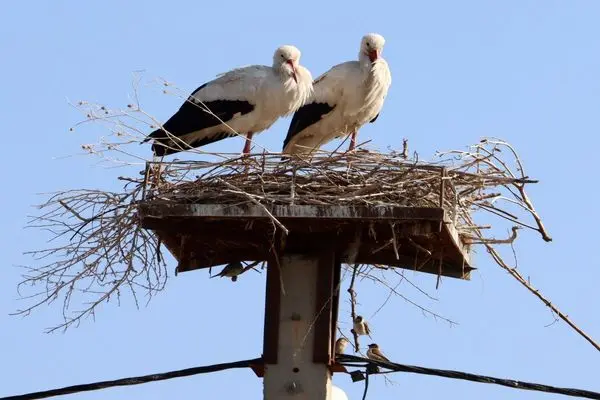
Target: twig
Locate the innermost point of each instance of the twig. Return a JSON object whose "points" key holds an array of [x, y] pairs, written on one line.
{"points": [[515, 274], [252, 199], [404, 153], [535, 215], [395, 242], [353, 305], [508, 240], [419, 247]]}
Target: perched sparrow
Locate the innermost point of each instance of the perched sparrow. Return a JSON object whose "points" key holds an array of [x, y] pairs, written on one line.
{"points": [[340, 345], [231, 270], [375, 354], [361, 327]]}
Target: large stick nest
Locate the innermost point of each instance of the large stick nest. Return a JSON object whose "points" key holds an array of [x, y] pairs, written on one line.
{"points": [[101, 249], [461, 182]]}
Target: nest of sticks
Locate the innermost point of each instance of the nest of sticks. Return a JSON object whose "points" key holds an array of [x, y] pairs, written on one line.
{"points": [[460, 182], [100, 250]]}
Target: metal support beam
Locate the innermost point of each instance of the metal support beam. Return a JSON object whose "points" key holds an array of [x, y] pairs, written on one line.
{"points": [[299, 323], [323, 352]]}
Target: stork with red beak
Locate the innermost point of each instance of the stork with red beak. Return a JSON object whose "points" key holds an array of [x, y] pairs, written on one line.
{"points": [[243, 101], [345, 98]]}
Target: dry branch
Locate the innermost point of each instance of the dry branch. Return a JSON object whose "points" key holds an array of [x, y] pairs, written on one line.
{"points": [[102, 252], [352, 293], [515, 274]]}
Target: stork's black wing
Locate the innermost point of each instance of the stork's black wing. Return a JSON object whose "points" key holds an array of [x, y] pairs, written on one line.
{"points": [[193, 116], [306, 116]]}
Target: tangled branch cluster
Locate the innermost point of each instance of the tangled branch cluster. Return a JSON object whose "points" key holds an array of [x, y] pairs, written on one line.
{"points": [[460, 182], [101, 252]]}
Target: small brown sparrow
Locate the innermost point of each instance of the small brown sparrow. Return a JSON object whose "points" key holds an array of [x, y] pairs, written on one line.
{"points": [[231, 270], [375, 354], [361, 327], [340, 345]]}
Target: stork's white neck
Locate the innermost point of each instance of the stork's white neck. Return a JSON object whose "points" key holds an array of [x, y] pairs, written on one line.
{"points": [[364, 61], [282, 73]]}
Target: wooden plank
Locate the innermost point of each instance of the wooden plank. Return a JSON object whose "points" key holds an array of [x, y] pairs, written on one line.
{"points": [[452, 235], [164, 210], [215, 240], [210, 253], [227, 229], [431, 267]]}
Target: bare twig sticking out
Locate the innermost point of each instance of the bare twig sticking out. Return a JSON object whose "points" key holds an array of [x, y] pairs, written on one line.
{"points": [[395, 241], [508, 240], [487, 154], [425, 311], [104, 254], [440, 265], [353, 304], [515, 274], [521, 185], [392, 291], [538, 220], [258, 203], [404, 149], [419, 247]]}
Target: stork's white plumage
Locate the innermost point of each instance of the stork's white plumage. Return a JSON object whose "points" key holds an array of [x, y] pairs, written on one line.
{"points": [[345, 98], [245, 100]]}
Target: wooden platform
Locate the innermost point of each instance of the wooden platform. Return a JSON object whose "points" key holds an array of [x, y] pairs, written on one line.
{"points": [[205, 235]]}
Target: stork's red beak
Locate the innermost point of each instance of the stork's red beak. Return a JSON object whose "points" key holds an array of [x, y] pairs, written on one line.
{"points": [[291, 63], [373, 55]]}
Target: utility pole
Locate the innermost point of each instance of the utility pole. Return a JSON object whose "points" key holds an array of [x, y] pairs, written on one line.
{"points": [[304, 248], [298, 327]]}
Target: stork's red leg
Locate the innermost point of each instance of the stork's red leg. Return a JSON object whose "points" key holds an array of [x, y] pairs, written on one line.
{"points": [[352, 141], [248, 143]]}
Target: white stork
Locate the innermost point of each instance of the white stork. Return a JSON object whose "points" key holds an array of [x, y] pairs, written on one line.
{"points": [[245, 100], [345, 98]]}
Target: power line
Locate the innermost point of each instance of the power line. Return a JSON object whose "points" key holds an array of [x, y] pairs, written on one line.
{"points": [[350, 360], [347, 360], [134, 380]]}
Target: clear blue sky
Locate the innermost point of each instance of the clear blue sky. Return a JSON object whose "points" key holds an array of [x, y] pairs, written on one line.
{"points": [[526, 71]]}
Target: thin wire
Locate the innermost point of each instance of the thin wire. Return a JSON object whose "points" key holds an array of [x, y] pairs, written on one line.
{"points": [[351, 360], [134, 380], [366, 386]]}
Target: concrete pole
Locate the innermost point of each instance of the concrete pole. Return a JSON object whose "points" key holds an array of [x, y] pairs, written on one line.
{"points": [[290, 372]]}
